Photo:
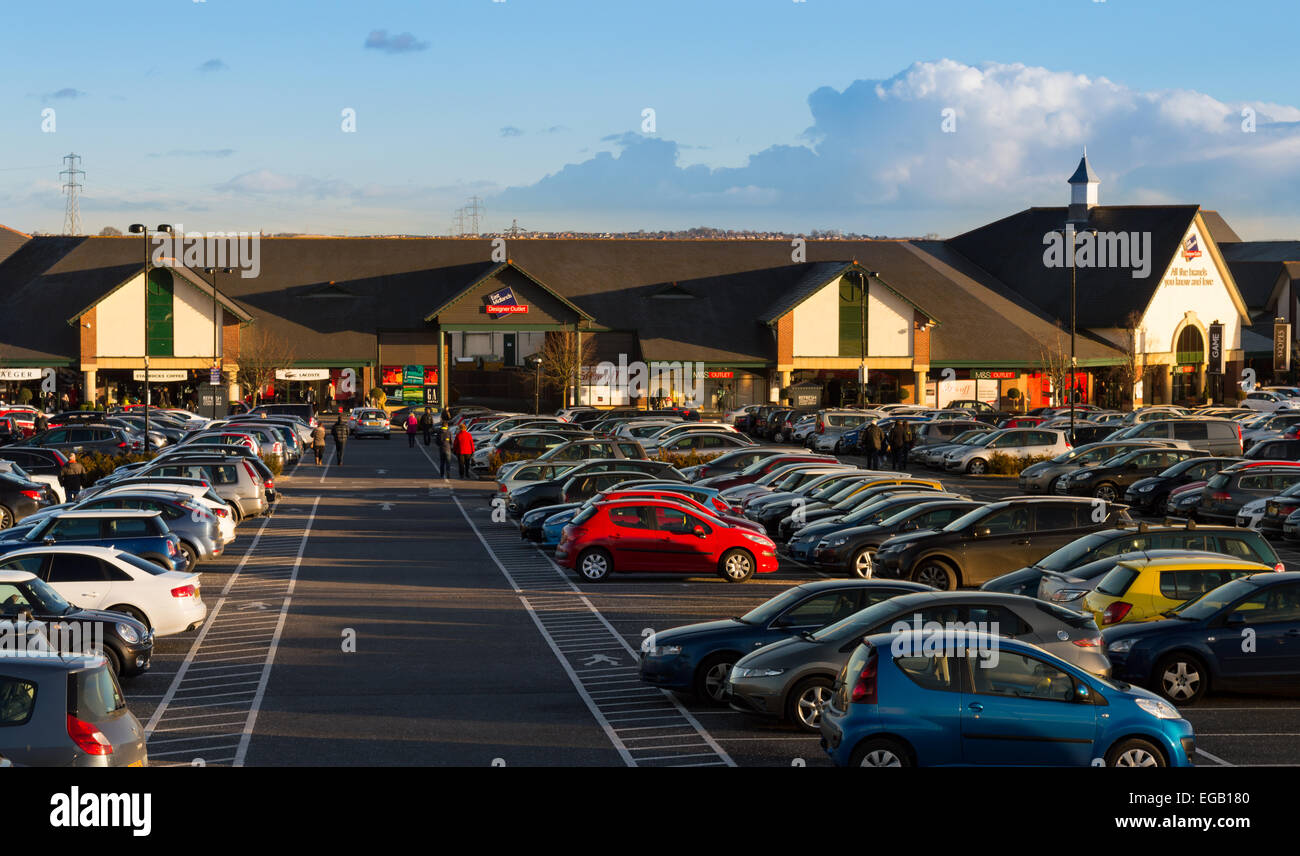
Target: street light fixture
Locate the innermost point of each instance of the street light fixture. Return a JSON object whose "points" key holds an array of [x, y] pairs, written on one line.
{"points": [[1069, 232], [536, 361], [219, 366], [141, 229]]}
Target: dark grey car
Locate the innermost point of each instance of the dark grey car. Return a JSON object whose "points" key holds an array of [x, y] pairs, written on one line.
{"points": [[1040, 477], [66, 712], [791, 679]]}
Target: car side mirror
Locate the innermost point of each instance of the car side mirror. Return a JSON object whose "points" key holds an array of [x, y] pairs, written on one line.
{"points": [[699, 531], [1235, 619], [1082, 693], [980, 531]]}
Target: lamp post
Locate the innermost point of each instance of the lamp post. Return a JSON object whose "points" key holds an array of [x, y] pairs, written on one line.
{"points": [[141, 229], [1069, 233], [536, 361], [218, 365], [863, 284]]}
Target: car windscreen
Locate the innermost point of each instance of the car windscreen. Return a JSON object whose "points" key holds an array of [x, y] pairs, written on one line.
{"points": [[1070, 555], [769, 609], [1214, 600], [859, 622]]}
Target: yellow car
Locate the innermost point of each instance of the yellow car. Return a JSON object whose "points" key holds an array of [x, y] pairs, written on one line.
{"points": [[1142, 590]]}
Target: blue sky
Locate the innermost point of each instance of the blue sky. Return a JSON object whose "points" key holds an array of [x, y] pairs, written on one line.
{"points": [[226, 114]]}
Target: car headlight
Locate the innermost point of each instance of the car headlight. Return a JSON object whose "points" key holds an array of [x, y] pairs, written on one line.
{"points": [[738, 673], [1146, 488], [127, 632], [839, 542], [1159, 709], [759, 539], [663, 650], [1083, 475], [1120, 647]]}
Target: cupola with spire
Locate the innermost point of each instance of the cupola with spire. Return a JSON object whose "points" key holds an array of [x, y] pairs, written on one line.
{"points": [[1083, 190]]}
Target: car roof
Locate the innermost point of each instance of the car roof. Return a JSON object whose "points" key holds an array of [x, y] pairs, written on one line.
{"points": [[841, 583], [1193, 563], [115, 512], [78, 549]]}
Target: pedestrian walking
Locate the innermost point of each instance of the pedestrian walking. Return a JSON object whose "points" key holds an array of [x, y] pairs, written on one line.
{"points": [[426, 425], [898, 443], [71, 477], [318, 442], [874, 437], [340, 432], [444, 450], [411, 424], [464, 450], [42, 422]]}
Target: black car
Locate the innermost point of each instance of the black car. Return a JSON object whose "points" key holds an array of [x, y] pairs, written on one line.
{"points": [[1150, 494], [697, 658], [981, 410], [68, 417], [78, 438], [19, 498], [1109, 479], [1084, 434], [1200, 645], [1277, 449], [857, 496], [38, 462], [730, 463], [127, 643], [875, 509], [538, 494], [993, 540], [852, 550]]}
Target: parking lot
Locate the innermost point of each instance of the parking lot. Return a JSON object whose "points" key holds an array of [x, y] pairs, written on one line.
{"points": [[381, 616]]}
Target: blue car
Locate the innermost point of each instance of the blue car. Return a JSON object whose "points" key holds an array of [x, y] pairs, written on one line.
{"points": [[903, 701], [697, 658], [143, 533], [1243, 635]]}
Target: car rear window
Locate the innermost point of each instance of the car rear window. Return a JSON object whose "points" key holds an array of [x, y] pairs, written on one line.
{"points": [[1117, 581], [94, 695], [17, 701]]}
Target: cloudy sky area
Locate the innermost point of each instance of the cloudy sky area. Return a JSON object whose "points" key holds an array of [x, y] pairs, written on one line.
{"points": [[898, 119]]}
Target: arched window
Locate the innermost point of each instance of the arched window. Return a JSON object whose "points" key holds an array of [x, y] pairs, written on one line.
{"points": [[1190, 347], [159, 313]]}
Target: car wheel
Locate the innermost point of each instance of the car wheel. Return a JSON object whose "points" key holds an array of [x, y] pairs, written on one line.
{"points": [[836, 450], [880, 752], [125, 609], [1181, 678], [711, 678], [937, 574], [114, 659], [736, 565], [191, 556], [804, 707], [594, 565], [1135, 752], [6, 517], [861, 566], [234, 512], [977, 467], [1106, 491]]}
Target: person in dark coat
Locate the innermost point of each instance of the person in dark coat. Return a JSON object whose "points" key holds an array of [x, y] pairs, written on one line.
{"points": [[898, 443], [444, 451], [340, 432], [71, 477], [426, 425], [874, 443], [318, 442], [42, 422]]}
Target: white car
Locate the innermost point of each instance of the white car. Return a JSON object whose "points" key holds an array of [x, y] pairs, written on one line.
{"points": [[197, 493], [1017, 442], [104, 578], [1250, 514], [1268, 402], [52, 481], [643, 429]]}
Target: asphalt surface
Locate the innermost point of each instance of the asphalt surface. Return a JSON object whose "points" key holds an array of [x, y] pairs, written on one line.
{"points": [[382, 616]]}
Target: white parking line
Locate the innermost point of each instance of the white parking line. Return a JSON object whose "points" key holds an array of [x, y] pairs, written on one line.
{"points": [[275, 641], [1215, 758]]}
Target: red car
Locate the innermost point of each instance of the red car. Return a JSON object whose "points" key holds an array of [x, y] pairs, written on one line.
{"points": [[660, 535], [723, 513], [758, 469], [22, 418], [1022, 422]]}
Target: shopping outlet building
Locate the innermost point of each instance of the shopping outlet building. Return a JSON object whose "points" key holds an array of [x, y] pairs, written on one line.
{"points": [[441, 319]]}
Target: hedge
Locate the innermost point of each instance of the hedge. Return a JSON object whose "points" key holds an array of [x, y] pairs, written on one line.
{"points": [[98, 465], [1002, 464]]}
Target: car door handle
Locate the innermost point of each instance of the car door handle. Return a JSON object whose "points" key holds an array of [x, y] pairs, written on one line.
{"points": [[975, 706]]}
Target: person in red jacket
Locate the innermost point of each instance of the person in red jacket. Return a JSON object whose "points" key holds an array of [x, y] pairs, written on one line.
{"points": [[464, 449]]}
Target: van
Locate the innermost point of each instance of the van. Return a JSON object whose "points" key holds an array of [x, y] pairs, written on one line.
{"points": [[1216, 436], [305, 412]]}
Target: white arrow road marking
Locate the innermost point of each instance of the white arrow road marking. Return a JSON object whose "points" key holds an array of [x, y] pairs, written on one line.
{"points": [[601, 658], [257, 604], [387, 506]]}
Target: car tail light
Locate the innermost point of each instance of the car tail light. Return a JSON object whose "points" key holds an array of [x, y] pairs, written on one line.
{"points": [[1087, 641], [821, 427], [58, 456], [184, 591], [171, 547], [252, 473], [1115, 613], [122, 445], [221, 512], [864, 688], [88, 738], [503, 488], [33, 494], [1221, 496], [1279, 567]]}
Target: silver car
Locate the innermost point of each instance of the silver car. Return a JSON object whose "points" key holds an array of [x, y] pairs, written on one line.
{"points": [[234, 480], [791, 679], [369, 422], [1039, 478], [66, 712]]}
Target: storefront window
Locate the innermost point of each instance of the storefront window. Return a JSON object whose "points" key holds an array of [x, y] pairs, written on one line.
{"points": [[159, 313]]}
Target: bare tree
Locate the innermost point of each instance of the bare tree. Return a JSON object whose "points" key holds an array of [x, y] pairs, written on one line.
{"points": [[1134, 365], [109, 231], [260, 353], [564, 362], [1054, 360]]}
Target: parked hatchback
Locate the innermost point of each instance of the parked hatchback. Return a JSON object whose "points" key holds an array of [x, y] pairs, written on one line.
{"points": [[1213, 436], [1109, 479], [898, 704], [1143, 590], [1231, 488], [1043, 476]]}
